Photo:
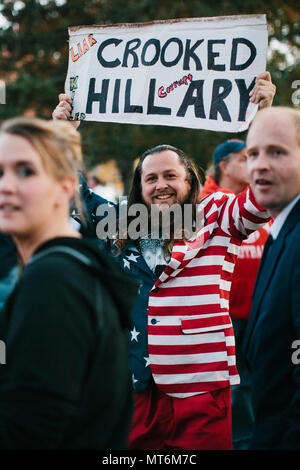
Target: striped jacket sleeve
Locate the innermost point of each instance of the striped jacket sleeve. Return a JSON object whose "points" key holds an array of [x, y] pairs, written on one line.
{"points": [[239, 215]]}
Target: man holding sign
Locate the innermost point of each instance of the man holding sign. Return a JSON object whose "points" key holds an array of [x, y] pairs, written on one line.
{"points": [[182, 341]]}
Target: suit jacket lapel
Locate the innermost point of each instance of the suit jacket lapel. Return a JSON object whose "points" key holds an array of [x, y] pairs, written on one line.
{"points": [[263, 279], [265, 274]]}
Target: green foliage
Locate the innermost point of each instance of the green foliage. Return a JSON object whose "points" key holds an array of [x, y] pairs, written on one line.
{"points": [[34, 56]]}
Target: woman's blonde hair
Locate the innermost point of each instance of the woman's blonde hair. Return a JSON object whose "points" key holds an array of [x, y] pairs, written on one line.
{"points": [[57, 143]]}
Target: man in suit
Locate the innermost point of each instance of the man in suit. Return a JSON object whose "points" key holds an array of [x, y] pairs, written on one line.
{"points": [[228, 174], [273, 164]]}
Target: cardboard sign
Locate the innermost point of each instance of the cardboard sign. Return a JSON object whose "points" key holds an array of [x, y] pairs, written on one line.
{"points": [[195, 73]]}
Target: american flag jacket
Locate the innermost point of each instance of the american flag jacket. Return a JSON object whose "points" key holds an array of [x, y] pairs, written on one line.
{"points": [[182, 336]]}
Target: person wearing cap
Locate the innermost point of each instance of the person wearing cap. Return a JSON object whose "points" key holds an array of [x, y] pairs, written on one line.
{"points": [[228, 175], [229, 168]]}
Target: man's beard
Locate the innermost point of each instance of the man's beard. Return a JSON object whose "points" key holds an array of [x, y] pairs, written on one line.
{"points": [[173, 221]]}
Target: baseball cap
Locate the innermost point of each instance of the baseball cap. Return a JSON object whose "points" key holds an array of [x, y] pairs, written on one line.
{"points": [[227, 147]]}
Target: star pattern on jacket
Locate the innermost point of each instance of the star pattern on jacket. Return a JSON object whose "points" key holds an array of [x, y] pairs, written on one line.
{"points": [[133, 262], [133, 379], [147, 359], [126, 263], [133, 257], [134, 334]]}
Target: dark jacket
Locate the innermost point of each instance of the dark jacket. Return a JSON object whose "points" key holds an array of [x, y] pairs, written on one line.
{"points": [[8, 267], [8, 255], [273, 332], [66, 383]]}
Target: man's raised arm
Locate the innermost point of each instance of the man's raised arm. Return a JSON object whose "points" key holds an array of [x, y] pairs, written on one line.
{"points": [[63, 110]]}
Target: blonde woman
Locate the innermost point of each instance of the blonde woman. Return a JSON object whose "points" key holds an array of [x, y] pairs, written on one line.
{"points": [[65, 383]]}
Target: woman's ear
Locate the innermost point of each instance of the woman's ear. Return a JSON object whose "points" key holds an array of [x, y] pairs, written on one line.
{"points": [[67, 190]]}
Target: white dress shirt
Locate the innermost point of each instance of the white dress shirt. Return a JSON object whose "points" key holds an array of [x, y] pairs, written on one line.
{"points": [[281, 218]]}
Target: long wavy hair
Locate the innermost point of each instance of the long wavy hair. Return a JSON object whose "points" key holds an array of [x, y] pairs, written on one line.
{"points": [[194, 176]]}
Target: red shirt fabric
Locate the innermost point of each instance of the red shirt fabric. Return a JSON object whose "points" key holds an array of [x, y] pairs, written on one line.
{"points": [[247, 262]]}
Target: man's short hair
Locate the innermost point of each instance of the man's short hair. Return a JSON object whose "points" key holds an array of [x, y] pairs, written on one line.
{"points": [[293, 112]]}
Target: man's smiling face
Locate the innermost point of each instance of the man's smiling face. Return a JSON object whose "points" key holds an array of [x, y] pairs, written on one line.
{"points": [[164, 179]]}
